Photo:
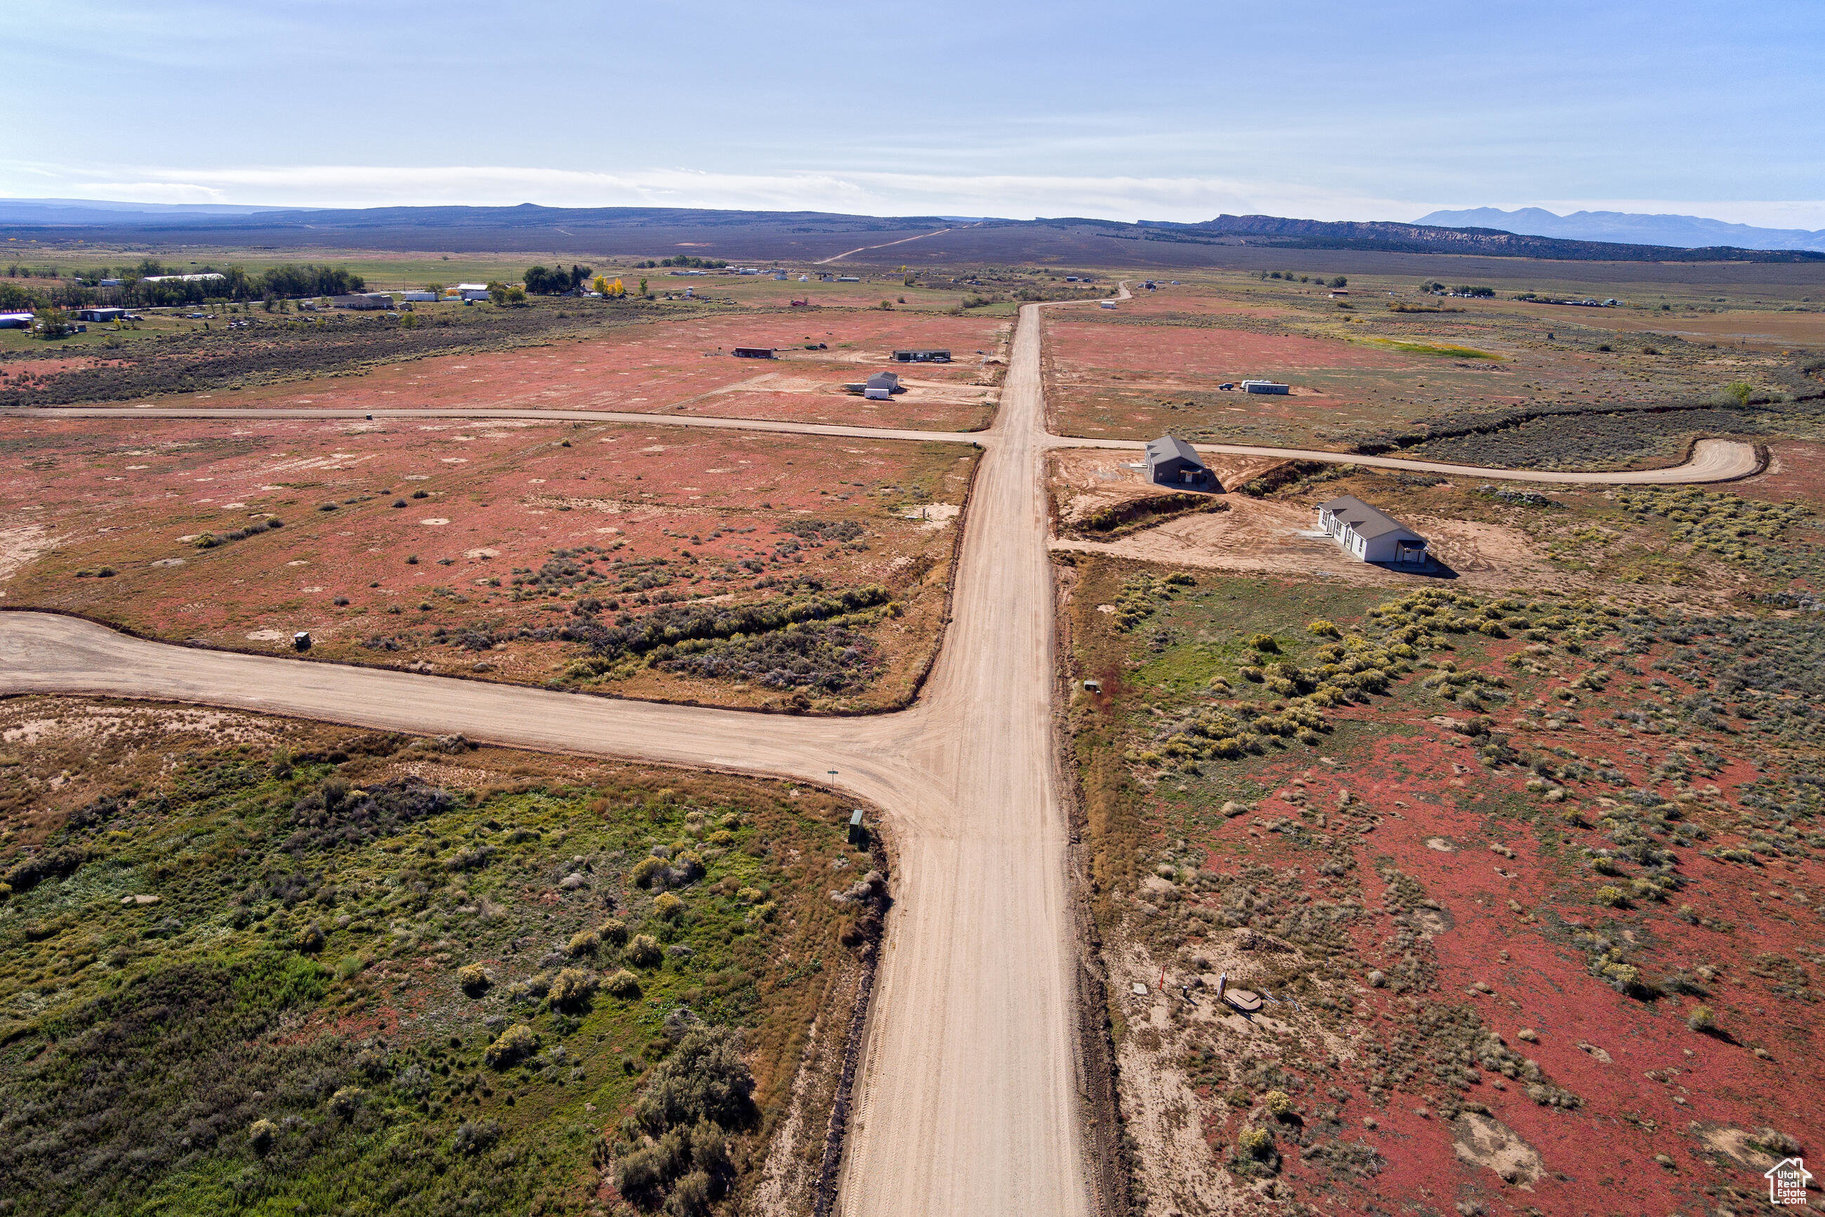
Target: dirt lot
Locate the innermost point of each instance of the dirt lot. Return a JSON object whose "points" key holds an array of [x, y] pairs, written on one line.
{"points": [[474, 548], [1533, 911], [683, 366], [1362, 371], [1476, 539]]}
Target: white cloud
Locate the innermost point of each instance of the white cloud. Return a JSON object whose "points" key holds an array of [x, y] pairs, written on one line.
{"points": [[1010, 195], [1006, 195]]}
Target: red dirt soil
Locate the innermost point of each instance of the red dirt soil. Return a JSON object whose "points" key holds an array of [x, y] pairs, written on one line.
{"points": [[499, 497], [683, 367], [1648, 1084]]}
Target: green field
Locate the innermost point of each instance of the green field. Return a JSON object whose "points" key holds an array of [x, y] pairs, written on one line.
{"points": [[266, 977]]}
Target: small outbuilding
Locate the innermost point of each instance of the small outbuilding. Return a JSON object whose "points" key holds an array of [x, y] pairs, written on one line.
{"points": [[882, 386], [1370, 534], [362, 300], [752, 352], [922, 356], [1173, 462], [1265, 386], [100, 314], [17, 321]]}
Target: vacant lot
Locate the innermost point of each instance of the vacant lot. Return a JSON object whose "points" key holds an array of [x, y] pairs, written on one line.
{"points": [[558, 354], [250, 964], [685, 367], [523, 552], [1390, 366], [1528, 877]]}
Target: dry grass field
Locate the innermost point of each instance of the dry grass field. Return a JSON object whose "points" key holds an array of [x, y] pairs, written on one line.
{"points": [[1447, 376], [503, 550]]}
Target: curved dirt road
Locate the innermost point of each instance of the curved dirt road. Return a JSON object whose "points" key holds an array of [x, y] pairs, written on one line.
{"points": [[968, 1101], [1712, 460]]}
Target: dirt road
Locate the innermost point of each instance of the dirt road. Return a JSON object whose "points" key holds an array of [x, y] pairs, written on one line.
{"points": [[917, 236], [1713, 460], [968, 1102], [553, 416]]}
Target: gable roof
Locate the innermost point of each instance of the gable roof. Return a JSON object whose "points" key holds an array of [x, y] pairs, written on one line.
{"points": [[1168, 446], [1365, 521], [884, 380]]}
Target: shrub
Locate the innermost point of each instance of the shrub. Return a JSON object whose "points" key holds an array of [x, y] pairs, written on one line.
{"points": [[1612, 897], [1263, 642], [515, 1044], [311, 939], [1776, 1142], [347, 1100], [643, 951], [1280, 1103], [474, 1138], [584, 942], [1256, 1143], [647, 871], [668, 906], [1324, 629], [613, 931], [260, 1135], [473, 979], [1701, 1018], [704, 1079], [676, 1139], [571, 989], [622, 984]]}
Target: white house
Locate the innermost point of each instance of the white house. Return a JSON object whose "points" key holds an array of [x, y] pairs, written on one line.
{"points": [[1369, 534]]}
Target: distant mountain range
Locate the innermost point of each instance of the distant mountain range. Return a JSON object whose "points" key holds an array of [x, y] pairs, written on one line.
{"points": [[1683, 232], [658, 231]]}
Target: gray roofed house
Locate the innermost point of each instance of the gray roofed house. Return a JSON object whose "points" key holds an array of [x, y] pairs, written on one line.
{"points": [[1173, 462], [1370, 534], [881, 386]]}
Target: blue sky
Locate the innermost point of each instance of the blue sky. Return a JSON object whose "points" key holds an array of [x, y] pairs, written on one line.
{"points": [[1129, 110]]}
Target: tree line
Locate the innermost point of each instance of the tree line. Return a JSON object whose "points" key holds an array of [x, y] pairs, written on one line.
{"points": [[141, 287]]}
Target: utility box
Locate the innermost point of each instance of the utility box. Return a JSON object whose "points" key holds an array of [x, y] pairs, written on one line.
{"points": [[301, 641], [858, 832]]}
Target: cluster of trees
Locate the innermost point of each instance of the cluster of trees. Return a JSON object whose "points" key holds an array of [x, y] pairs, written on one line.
{"points": [[684, 260], [1289, 276], [555, 280], [137, 288], [1442, 289]]}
